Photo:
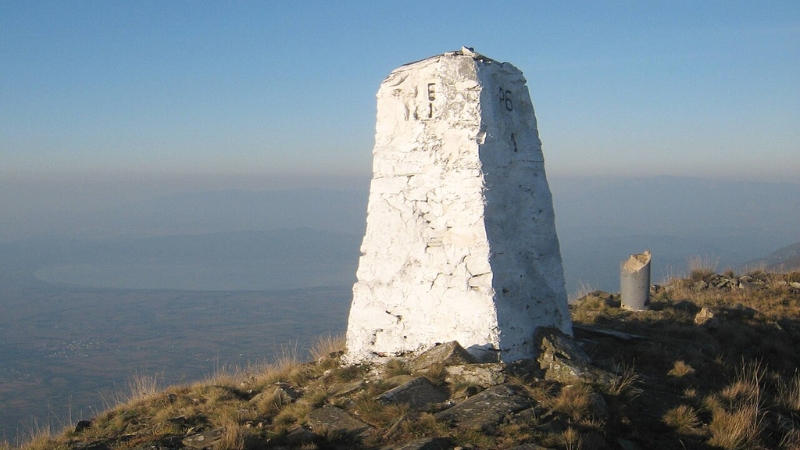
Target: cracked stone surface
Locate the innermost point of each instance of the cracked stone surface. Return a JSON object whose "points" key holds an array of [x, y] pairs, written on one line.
{"points": [[486, 408], [460, 242]]}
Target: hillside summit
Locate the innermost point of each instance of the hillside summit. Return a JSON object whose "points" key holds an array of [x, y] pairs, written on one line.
{"points": [[711, 365]]}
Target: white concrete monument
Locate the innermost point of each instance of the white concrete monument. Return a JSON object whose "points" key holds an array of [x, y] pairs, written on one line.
{"points": [[461, 241]]}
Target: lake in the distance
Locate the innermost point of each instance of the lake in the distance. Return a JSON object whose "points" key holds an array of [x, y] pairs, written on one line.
{"points": [[202, 277]]}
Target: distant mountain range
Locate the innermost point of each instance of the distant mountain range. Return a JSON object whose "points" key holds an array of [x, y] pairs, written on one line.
{"points": [[781, 260], [274, 238], [601, 221]]}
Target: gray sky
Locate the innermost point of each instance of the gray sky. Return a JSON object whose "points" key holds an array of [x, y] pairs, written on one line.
{"points": [[270, 91]]}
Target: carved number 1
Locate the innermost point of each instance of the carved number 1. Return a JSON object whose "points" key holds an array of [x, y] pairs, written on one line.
{"points": [[505, 98]]}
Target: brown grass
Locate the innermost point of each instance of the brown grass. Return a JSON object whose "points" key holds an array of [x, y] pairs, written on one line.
{"points": [[574, 400], [572, 439], [736, 414], [788, 394], [626, 385], [697, 385], [680, 369], [701, 267], [436, 374], [683, 418], [327, 347]]}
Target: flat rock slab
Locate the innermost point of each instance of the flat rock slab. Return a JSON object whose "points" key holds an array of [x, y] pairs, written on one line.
{"points": [[301, 436], [205, 440], [529, 447], [606, 332], [418, 394], [563, 360], [478, 374], [447, 354], [340, 389], [487, 408], [423, 444], [336, 420]]}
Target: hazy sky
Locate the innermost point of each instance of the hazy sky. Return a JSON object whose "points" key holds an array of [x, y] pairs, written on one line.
{"points": [[698, 88]]}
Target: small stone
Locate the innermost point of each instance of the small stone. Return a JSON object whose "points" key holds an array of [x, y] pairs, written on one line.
{"points": [[204, 440], [82, 425], [286, 392], [705, 317]]}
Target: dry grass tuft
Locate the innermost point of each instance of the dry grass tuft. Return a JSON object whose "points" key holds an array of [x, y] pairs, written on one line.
{"points": [[436, 373], [572, 439], [788, 395], [680, 369], [683, 418], [701, 267], [233, 438], [395, 367], [346, 374], [583, 291], [469, 438], [791, 441], [736, 429], [736, 415], [293, 414], [626, 385], [141, 385], [574, 400], [375, 413], [425, 425], [327, 347]]}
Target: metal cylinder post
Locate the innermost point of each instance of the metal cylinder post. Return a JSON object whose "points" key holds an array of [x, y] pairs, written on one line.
{"points": [[634, 281]]}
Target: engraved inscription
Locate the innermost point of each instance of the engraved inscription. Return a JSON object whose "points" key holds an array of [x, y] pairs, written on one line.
{"points": [[505, 99]]}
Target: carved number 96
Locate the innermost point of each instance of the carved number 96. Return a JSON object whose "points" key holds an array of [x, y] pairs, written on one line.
{"points": [[505, 98]]}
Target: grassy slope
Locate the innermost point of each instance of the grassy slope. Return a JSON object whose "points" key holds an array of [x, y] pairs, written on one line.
{"points": [[731, 383]]}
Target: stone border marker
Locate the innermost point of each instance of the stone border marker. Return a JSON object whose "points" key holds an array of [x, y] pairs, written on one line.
{"points": [[460, 242]]}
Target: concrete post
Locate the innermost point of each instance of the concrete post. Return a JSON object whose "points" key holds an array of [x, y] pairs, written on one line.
{"points": [[634, 281]]}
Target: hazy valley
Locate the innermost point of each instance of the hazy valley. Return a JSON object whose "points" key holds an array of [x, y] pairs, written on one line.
{"points": [[186, 284]]}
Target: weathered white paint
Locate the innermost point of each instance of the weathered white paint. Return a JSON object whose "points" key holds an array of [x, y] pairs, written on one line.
{"points": [[460, 241]]}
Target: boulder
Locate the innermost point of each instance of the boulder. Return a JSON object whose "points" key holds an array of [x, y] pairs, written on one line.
{"points": [[486, 409], [447, 354], [335, 420], [563, 360], [484, 375], [419, 394]]}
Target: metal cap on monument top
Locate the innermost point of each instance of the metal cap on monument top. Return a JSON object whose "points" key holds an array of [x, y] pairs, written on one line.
{"points": [[460, 242]]}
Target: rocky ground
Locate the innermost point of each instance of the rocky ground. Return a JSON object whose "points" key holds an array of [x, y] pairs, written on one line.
{"points": [[711, 364]]}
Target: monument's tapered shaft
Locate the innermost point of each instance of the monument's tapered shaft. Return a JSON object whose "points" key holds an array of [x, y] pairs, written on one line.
{"points": [[461, 241]]}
